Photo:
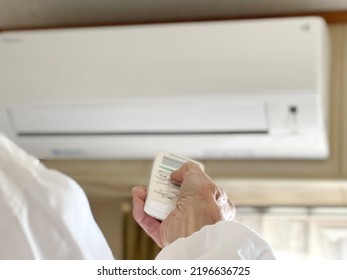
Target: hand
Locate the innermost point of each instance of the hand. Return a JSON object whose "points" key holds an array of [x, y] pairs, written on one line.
{"points": [[201, 202]]}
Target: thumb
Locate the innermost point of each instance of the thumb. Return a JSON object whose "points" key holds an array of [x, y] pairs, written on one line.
{"points": [[179, 174]]}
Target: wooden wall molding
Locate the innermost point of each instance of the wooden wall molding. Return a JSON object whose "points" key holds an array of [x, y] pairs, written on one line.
{"points": [[330, 16]]}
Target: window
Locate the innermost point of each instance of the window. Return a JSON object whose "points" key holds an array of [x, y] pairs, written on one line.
{"points": [[300, 232]]}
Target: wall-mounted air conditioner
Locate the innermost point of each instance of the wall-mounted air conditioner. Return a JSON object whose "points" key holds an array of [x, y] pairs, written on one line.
{"points": [[228, 89]]}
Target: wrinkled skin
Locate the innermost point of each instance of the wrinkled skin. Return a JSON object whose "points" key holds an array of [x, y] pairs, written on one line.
{"points": [[201, 202]]}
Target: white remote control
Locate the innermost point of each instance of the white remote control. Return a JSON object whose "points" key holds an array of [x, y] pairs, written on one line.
{"points": [[162, 192]]}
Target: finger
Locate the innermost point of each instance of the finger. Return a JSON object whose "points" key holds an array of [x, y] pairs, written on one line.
{"points": [[140, 192], [147, 223], [179, 174]]}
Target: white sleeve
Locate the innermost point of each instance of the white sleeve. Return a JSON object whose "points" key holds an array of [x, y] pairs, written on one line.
{"points": [[223, 241], [43, 213]]}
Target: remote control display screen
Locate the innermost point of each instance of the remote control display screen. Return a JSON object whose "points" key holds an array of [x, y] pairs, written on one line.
{"points": [[172, 162]]}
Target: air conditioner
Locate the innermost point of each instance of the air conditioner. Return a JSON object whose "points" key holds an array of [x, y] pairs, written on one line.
{"points": [[250, 89]]}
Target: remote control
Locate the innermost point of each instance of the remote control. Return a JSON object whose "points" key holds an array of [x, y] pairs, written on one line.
{"points": [[162, 192]]}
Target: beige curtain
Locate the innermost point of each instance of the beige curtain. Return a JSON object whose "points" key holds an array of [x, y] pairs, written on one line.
{"points": [[137, 244]]}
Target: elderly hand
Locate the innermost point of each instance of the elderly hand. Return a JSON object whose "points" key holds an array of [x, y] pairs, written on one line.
{"points": [[201, 202]]}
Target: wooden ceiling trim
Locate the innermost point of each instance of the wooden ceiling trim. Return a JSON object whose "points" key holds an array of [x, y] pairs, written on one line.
{"points": [[331, 18]]}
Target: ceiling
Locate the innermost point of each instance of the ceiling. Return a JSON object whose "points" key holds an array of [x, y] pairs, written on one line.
{"points": [[20, 14]]}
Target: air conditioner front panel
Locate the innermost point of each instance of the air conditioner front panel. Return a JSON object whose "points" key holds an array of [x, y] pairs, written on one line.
{"points": [[147, 117], [196, 58]]}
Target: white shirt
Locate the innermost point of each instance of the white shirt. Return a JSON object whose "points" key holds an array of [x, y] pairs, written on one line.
{"points": [[43, 213], [46, 215], [224, 240]]}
